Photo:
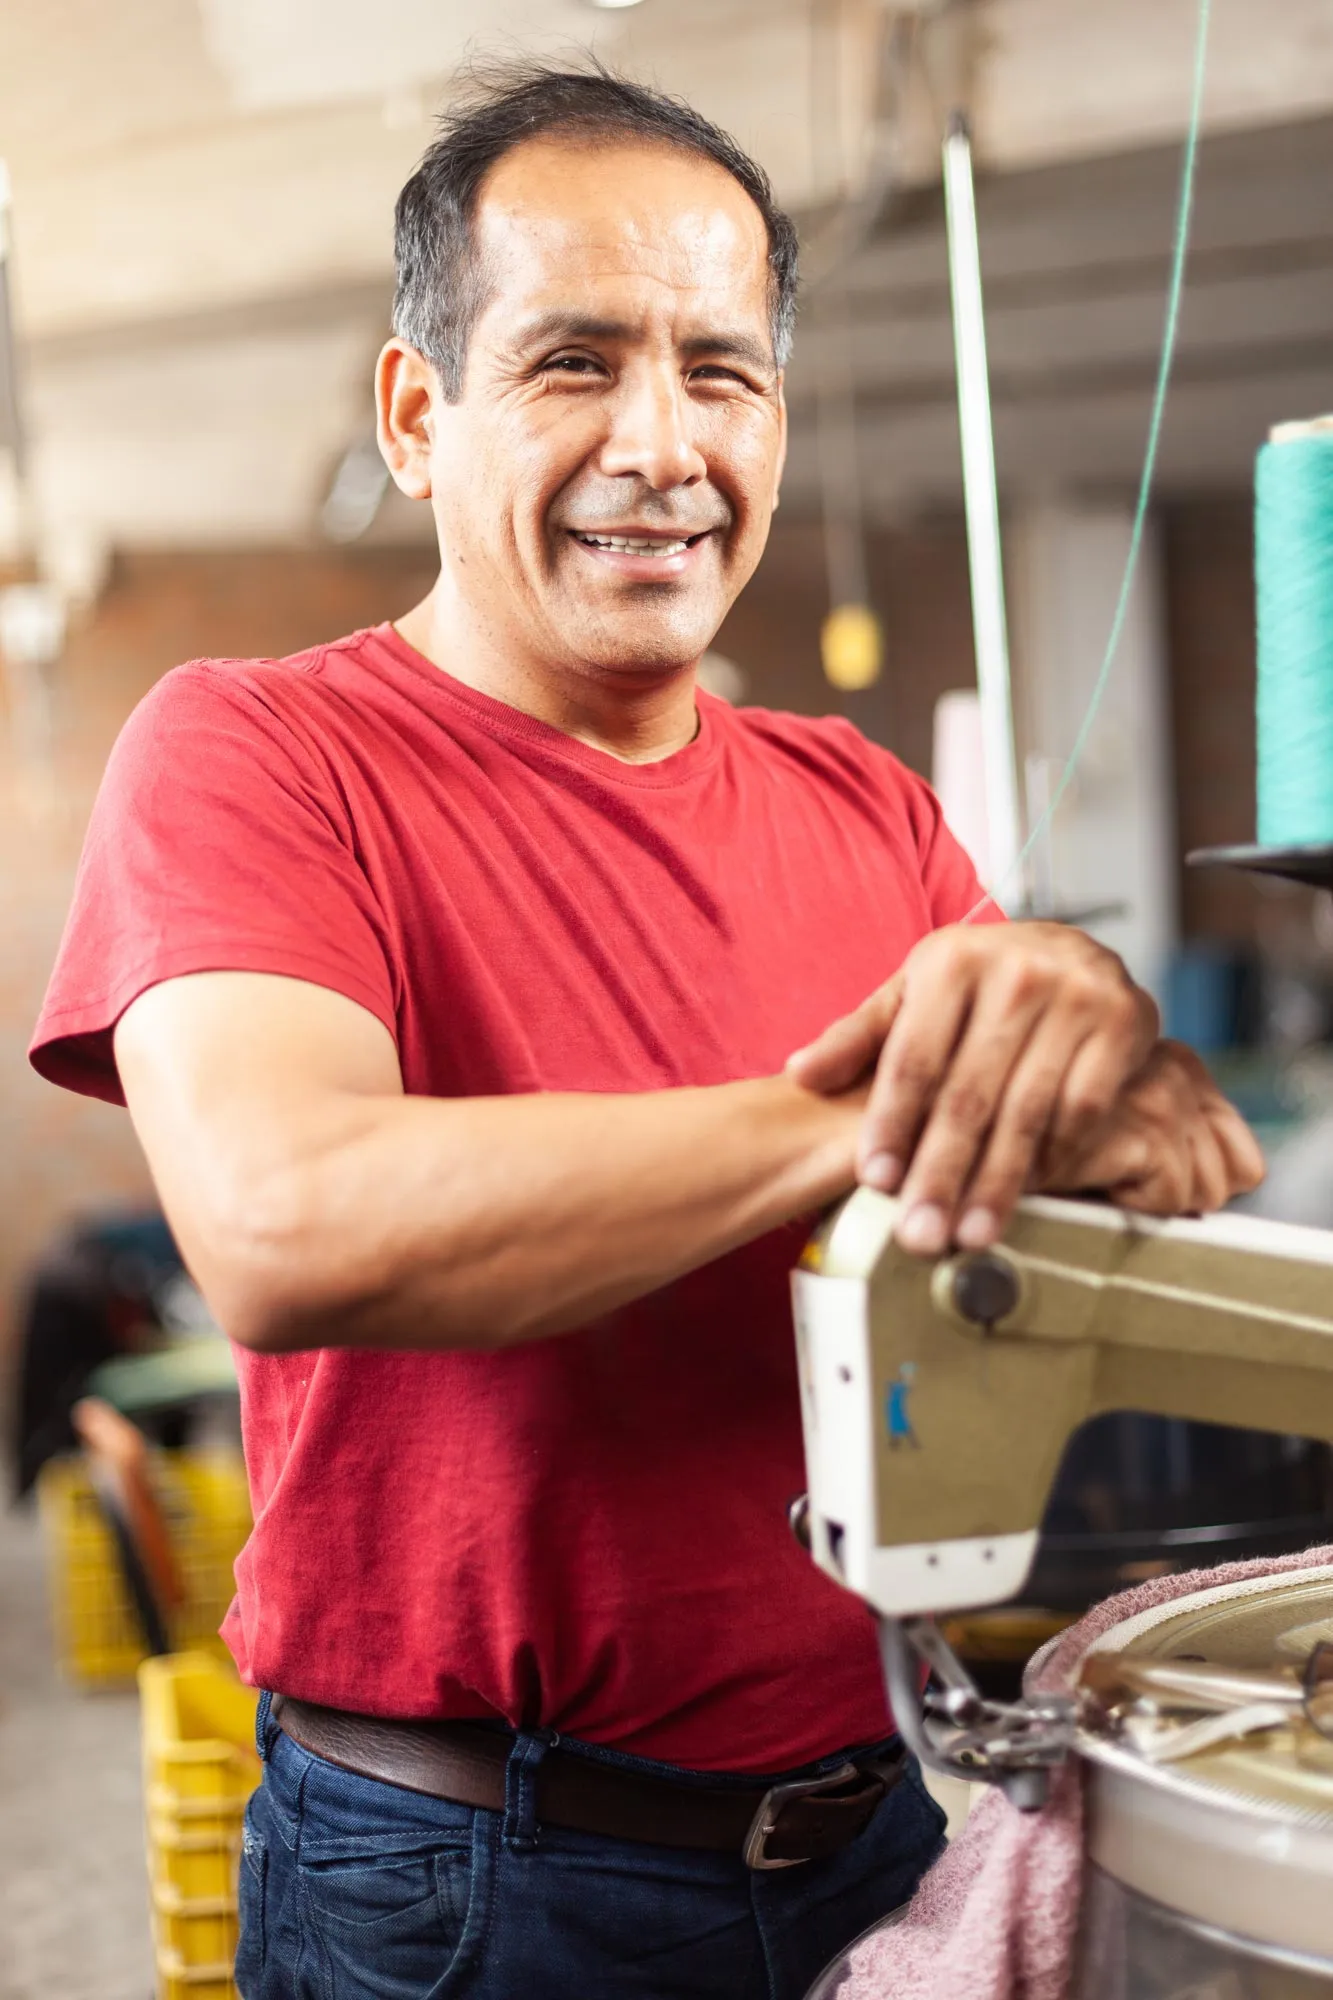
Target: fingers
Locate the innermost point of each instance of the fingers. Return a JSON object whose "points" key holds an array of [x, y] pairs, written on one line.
{"points": [[1241, 1150], [1167, 1185], [835, 1060], [986, 1127], [919, 1076], [942, 1097], [1091, 1039], [1194, 1123], [1155, 1124], [1172, 1145], [969, 999], [1211, 1177], [1123, 1031], [990, 1045], [1017, 1140], [1053, 1014]]}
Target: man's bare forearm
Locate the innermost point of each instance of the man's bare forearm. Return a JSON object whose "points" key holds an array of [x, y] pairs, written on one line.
{"points": [[480, 1222], [319, 1206]]}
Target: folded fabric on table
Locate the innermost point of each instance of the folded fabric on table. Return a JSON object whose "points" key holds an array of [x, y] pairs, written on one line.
{"points": [[997, 1916]]}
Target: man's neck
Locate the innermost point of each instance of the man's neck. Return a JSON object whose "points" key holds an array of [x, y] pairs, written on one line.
{"points": [[639, 723]]}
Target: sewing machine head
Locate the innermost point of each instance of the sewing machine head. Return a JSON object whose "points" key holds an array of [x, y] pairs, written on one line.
{"points": [[938, 1399]]}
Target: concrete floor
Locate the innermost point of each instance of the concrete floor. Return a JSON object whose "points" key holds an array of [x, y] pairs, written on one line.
{"points": [[73, 1897]]}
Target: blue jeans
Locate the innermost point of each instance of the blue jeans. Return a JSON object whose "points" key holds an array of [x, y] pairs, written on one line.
{"points": [[356, 1890]]}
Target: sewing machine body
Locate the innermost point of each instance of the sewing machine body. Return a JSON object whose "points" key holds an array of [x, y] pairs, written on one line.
{"points": [[938, 1399]]}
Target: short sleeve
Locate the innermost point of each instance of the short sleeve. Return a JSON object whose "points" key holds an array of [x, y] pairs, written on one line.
{"points": [[218, 842]]}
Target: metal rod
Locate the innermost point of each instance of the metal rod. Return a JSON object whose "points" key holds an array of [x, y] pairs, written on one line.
{"points": [[1188, 1684], [1003, 823]]}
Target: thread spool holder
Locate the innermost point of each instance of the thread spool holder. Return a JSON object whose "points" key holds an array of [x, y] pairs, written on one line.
{"points": [[1308, 862], [1312, 865]]}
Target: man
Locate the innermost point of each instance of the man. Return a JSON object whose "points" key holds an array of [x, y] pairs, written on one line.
{"points": [[455, 976]]}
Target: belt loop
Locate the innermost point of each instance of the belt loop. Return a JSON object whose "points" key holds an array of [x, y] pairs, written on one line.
{"points": [[520, 1821], [265, 1725]]}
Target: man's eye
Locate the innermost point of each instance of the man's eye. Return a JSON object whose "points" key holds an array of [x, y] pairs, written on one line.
{"points": [[571, 364], [714, 372]]}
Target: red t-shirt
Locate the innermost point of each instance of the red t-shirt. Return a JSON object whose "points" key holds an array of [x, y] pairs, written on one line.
{"points": [[587, 1533]]}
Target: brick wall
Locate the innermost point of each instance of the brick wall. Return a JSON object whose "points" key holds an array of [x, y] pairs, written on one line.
{"points": [[61, 1155]]}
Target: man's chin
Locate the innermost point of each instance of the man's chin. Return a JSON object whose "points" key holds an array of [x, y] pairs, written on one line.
{"points": [[632, 655], [634, 633]]}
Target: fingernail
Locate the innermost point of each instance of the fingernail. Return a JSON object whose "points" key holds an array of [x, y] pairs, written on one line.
{"points": [[796, 1057], [978, 1229], [882, 1171], [924, 1230]]}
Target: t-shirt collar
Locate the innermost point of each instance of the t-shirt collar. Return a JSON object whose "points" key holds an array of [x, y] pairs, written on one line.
{"points": [[501, 719]]}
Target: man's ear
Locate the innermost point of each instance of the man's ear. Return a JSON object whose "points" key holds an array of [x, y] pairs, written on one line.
{"points": [[781, 465], [406, 389]]}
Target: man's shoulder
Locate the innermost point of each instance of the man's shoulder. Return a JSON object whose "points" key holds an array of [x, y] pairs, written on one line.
{"points": [[235, 679], [824, 745], [280, 698], [253, 717]]}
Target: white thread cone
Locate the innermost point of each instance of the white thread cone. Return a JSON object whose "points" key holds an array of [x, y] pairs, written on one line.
{"points": [[958, 773]]}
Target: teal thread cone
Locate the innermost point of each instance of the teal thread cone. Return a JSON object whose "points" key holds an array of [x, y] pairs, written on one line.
{"points": [[1293, 571]]}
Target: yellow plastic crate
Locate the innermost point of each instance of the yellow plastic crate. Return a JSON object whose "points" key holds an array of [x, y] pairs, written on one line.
{"points": [[200, 1768], [99, 1641]]}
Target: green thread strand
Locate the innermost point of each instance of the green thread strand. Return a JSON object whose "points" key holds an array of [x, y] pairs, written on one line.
{"points": [[1184, 210], [1293, 574]]}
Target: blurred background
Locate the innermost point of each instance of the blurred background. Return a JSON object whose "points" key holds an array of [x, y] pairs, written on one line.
{"points": [[197, 208]]}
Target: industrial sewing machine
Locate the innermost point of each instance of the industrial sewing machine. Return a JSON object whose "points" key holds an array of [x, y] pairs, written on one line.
{"points": [[937, 1401]]}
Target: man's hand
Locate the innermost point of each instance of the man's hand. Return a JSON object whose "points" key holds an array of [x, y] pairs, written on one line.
{"points": [[1171, 1145], [989, 1047]]}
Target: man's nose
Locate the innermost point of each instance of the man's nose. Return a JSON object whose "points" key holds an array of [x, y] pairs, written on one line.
{"points": [[651, 433]]}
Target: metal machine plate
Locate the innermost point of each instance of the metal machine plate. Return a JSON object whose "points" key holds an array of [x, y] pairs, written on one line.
{"points": [[1239, 1838]]}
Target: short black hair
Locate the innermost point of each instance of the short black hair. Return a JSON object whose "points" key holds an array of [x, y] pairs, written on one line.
{"points": [[440, 290]]}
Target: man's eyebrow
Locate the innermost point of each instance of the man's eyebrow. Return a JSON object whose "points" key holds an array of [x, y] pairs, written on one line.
{"points": [[560, 324], [735, 347]]}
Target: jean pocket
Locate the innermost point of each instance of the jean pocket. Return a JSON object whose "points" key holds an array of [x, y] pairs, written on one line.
{"points": [[932, 1811], [251, 1949], [398, 1926]]}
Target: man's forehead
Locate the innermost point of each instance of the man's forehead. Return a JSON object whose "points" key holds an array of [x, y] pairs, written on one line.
{"points": [[556, 213]]}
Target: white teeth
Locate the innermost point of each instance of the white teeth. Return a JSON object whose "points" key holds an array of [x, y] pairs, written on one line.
{"points": [[624, 545]]}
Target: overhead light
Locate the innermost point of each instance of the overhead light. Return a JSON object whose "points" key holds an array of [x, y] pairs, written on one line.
{"points": [[606, 6]]}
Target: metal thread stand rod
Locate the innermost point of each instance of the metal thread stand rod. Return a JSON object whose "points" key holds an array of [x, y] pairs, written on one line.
{"points": [[1003, 822]]}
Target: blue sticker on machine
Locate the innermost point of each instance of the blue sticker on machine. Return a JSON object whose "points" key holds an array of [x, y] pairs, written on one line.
{"points": [[896, 1412]]}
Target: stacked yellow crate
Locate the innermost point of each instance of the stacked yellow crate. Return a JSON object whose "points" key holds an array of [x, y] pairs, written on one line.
{"points": [[206, 1508], [200, 1768]]}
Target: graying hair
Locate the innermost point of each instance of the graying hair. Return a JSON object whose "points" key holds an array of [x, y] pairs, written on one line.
{"points": [[441, 289]]}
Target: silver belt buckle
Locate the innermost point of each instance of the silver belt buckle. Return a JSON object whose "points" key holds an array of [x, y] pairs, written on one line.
{"points": [[769, 1811]]}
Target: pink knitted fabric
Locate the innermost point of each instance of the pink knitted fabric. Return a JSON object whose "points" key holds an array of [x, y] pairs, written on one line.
{"points": [[996, 1917]]}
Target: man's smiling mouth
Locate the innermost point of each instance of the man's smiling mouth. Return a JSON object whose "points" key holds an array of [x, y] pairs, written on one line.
{"points": [[638, 545]]}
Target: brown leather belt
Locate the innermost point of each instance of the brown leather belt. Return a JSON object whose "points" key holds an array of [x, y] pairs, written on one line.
{"points": [[769, 1826]]}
